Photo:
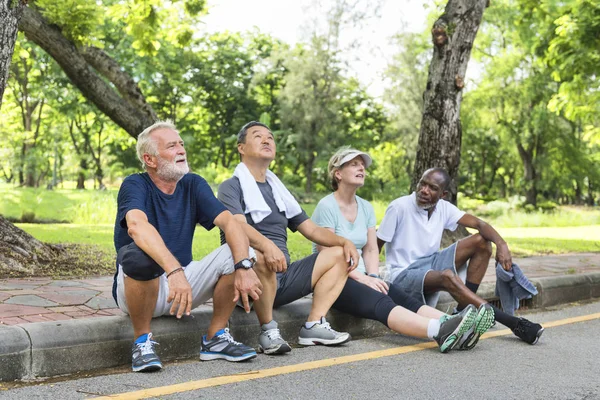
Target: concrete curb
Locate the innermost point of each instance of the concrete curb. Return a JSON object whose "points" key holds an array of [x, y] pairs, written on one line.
{"points": [[45, 349]]}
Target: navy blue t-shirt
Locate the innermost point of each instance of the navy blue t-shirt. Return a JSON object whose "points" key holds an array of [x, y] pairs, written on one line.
{"points": [[173, 215]]}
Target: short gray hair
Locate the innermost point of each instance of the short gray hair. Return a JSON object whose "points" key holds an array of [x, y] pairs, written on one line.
{"points": [[147, 146]]}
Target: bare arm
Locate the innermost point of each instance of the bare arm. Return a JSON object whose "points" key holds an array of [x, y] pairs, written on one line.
{"points": [[149, 240], [246, 281], [274, 257], [324, 237], [371, 259], [503, 255]]}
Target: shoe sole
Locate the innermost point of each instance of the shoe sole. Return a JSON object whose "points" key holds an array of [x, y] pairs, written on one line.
{"points": [[281, 349], [220, 356], [148, 367], [324, 342], [466, 324], [484, 320], [537, 338]]}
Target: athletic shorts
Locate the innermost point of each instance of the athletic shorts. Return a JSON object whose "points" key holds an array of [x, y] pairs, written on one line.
{"points": [[296, 282], [412, 279], [202, 276]]}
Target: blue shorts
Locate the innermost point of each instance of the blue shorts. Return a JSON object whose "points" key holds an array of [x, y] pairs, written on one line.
{"points": [[412, 279]]}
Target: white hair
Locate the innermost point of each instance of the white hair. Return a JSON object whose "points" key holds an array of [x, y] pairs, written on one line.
{"points": [[147, 146]]}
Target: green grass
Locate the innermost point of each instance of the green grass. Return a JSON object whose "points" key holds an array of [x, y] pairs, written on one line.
{"points": [[91, 215], [62, 205]]}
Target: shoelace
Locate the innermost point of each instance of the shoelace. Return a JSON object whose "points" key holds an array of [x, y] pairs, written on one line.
{"points": [[328, 327], [227, 336], [273, 334], [147, 347]]}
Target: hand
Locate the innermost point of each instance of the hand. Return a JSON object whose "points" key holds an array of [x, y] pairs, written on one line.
{"points": [[180, 293], [504, 257], [274, 258], [246, 284], [375, 283], [350, 255]]}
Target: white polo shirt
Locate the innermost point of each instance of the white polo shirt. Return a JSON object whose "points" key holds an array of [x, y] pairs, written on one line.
{"points": [[410, 235]]}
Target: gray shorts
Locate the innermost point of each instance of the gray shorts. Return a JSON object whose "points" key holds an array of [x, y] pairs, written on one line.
{"points": [[202, 276], [296, 282], [412, 279]]}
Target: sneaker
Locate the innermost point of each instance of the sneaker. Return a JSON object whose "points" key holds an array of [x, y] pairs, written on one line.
{"points": [[270, 340], [222, 346], [528, 331], [143, 356], [321, 333], [484, 319], [453, 327]]}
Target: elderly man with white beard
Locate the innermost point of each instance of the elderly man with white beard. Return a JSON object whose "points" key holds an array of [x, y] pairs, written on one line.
{"points": [[156, 217]]}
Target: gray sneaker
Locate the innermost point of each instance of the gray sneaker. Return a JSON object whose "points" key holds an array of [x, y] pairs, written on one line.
{"points": [[484, 319], [321, 333], [270, 340], [453, 327], [143, 356]]}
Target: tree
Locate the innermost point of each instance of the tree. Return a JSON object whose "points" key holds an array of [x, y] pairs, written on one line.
{"points": [[10, 14], [440, 136]]}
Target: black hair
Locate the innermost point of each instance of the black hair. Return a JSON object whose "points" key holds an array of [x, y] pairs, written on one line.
{"points": [[244, 131]]}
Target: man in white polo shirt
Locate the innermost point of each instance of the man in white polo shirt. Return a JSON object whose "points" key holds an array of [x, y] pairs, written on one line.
{"points": [[412, 231]]}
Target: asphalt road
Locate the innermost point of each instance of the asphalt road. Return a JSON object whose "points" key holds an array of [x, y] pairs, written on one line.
{"points": [[564, 365]]}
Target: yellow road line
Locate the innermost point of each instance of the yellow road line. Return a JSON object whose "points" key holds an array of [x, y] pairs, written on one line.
{"points": [[288, 369]]}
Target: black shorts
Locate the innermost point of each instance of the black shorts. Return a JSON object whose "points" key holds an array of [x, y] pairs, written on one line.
{"points": [[296, 282]]}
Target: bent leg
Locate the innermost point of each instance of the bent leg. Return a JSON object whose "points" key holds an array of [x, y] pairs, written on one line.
{"points": [[140, 297], [264, 305], [447, 280], [477, 251], [329, 276]]}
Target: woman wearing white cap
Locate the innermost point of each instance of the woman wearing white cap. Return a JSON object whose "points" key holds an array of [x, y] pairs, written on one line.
{"points": [[366, 295]]}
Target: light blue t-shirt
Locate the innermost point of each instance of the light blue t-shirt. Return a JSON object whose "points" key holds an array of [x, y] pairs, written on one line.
{"points": [[328, 215]]}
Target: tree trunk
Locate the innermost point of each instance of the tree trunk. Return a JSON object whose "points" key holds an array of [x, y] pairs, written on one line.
{"points": [[19, 251], [10, 14], [92, 86], [308, 171], [441, 133]]}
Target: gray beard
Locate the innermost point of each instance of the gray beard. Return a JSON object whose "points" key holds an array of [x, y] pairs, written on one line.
{"points": [[170, 171], [427, 207]]}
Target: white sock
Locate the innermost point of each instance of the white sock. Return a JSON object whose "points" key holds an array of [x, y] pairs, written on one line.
{"points": [[310, 324], [433, 328]]}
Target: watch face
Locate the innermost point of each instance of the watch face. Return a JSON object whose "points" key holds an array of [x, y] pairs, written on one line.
{"points": [[246, 263]]}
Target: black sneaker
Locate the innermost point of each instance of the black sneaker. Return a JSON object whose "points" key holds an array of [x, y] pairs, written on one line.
{"points": [[222, 346], [143, 356], [528, 331], [453, 327]]}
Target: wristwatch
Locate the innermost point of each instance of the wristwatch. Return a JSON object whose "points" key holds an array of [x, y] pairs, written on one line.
{"points": [[245, 263]]}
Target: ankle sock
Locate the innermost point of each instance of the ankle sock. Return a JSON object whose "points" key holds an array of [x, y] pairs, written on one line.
{"points": [[142, 338], [507, 320], [472, 286], [310, 324], [433, 329]]}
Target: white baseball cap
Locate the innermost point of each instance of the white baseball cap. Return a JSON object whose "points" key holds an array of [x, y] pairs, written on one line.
{"points": [[352, 154]]}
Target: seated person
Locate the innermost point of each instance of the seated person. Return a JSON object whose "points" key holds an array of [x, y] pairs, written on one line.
{"points": [[365, 294], [266, 209], [156, 217], [412, 232]]}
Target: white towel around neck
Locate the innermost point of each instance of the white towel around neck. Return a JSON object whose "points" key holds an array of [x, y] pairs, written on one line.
{"points": [[256, 204]]}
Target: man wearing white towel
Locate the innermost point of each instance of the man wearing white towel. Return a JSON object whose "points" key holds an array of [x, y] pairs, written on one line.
{"points": [[267, 209]]}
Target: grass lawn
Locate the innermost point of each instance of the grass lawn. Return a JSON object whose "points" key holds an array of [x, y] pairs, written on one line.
{"points": [[90, 215]]}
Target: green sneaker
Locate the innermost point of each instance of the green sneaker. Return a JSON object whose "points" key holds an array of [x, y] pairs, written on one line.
{"points": [[483, 321], [453, 327]]}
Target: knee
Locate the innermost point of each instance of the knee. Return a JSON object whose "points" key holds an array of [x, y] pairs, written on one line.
{"points": [[482, 245], [138, 265], [260, 267], [450, 281], [334, 258]]}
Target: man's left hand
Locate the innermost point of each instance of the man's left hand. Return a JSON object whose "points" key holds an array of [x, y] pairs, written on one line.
{"points": [[504, 257], [351, 255], [246, 285]]}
